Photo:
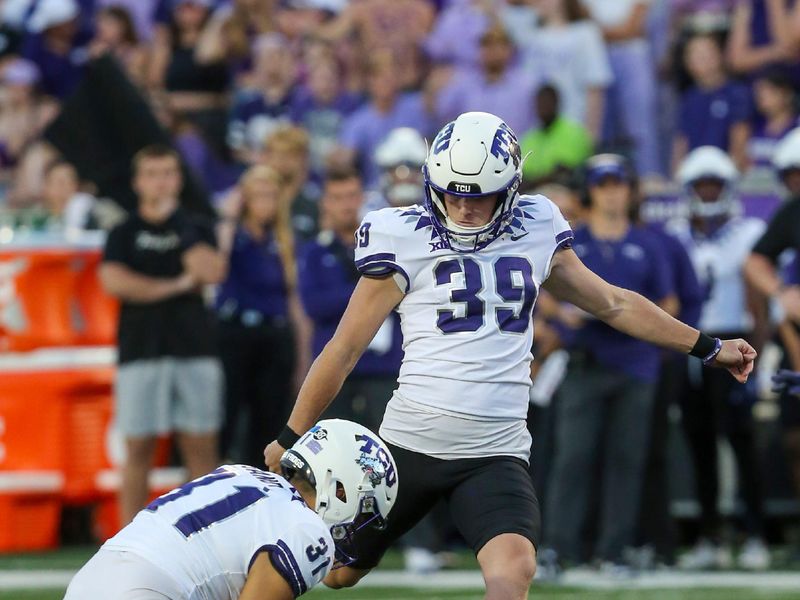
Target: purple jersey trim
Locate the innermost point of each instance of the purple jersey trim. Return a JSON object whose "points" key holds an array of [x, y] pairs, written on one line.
{"points": [[382, 269], [284, 562], [380, 257], [564, 235]]}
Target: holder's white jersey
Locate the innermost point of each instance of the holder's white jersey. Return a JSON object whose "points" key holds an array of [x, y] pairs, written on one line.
{"points": [[467, 327], [207, 533]]}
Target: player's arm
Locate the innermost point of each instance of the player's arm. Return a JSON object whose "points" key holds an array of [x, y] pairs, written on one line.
{"points": [[371, 303], [264, 582], [634, 315]]}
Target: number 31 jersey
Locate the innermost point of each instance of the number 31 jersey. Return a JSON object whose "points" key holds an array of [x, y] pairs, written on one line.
{"points": [[467, 327], [207, 533]]}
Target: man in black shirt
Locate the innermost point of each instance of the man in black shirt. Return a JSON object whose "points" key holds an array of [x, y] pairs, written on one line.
{"points": [[763, 273], [169, 378]]}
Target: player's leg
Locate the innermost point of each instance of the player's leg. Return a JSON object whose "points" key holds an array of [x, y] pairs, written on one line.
{"points": [[421, 480], [495, 508], [197, 412], [142, 395], [118, 575], [627, 440]]}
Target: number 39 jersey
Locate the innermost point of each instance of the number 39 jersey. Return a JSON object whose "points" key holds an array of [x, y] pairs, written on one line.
{"points": [[467, 327], [207, 533]]}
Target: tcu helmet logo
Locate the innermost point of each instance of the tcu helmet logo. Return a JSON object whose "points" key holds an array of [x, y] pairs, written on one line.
{"points": [[463, 187], [505, 144], [442, 141], [372, 467], [367, 461]]}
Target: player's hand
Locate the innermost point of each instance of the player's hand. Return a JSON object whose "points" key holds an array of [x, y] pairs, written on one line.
{"points": [[737, 356], [785, 380], [272, 456]]}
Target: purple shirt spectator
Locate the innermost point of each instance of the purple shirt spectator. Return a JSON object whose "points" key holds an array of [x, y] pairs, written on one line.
{"points": [[253, 118], [60, 73], [255, 279], [762, 143], [510, 97], [636, 262], [327, 277], [706, 116], [363, 130], [456, 33], [323, 123]]}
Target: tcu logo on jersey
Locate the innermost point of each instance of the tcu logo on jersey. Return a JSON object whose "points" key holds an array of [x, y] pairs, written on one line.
{"points": [[505, 144]]}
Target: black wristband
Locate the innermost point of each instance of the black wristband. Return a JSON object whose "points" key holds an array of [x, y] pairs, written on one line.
{"points": [[287, 438], [704, 346]]}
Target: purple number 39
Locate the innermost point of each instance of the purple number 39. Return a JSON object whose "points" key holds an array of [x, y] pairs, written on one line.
{"points": [[519, 291], [362, 235]]}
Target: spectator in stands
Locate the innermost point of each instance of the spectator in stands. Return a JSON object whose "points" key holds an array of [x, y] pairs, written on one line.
{"points": [[455, 37], [718, 242], [569, 52], [328, 277], [607, 395], [320, 106], [196, 91], [169, 378], [55, 44], [387, 109], [115, 33], [24, 113], [559, 144], [497, 86], [287, 150], [399, 26], [631, 98], [231, 33], [259, 110], [64, 207], [775, 102], [786, 162], [715, 111], [761, 37], [259, 312]]}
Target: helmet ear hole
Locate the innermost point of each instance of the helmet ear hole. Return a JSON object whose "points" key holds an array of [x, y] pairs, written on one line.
{"points": [[341, 493]]}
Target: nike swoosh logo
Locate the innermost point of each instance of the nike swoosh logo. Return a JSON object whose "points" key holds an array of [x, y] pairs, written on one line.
{"points": [[514, 238]]}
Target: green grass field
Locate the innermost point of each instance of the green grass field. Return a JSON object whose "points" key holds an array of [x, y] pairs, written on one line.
{"points": [[538, 592], [73, 558]]}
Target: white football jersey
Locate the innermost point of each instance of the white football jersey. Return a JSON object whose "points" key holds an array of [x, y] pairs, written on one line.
{"points": [[718, 261], [207, 533], [467, 327]]}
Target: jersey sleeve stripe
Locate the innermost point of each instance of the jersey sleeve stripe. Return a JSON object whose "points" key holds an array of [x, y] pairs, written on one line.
{"points": [[284, 562], [380, 257], [563, 237]]}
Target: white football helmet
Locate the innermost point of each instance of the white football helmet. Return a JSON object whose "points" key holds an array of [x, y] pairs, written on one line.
{"points": [[787, 152], [354, 475], [704, 163], [473, 156], [400, 157]]}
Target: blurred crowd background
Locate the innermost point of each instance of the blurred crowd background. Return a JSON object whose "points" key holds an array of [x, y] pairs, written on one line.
{"points": [[292, 118]]}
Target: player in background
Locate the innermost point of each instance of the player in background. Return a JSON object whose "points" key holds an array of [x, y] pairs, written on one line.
{"points": [[719, 240], [240, 532], [463, 271], [771, 274], [400, 158]]}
